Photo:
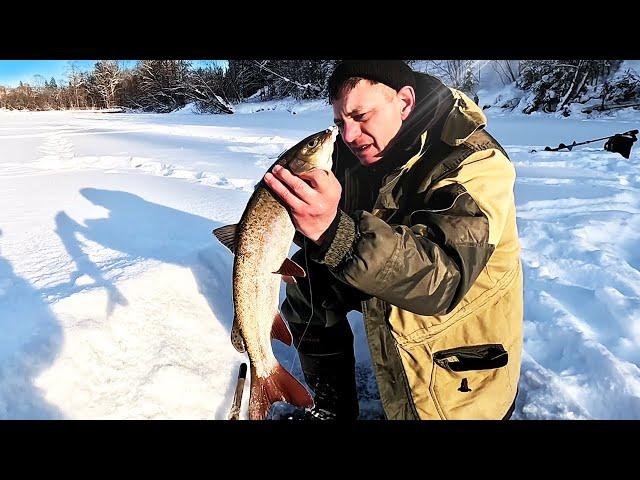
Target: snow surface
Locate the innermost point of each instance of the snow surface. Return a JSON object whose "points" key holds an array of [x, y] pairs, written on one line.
{"points": [[115, 300]]}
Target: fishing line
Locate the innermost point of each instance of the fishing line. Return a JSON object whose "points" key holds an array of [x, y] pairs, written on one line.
{"points": [[306, 267]]}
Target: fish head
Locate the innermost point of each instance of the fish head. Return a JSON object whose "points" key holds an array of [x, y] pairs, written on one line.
{"points": [[314, 152]]}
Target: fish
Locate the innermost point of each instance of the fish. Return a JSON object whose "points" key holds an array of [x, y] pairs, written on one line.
{"points": [[261, 241]]}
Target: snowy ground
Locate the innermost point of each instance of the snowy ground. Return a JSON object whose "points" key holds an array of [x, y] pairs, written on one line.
{"points": [[115, 300]]}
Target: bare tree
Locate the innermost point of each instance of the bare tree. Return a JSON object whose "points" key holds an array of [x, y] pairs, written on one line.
{"points": [[296, 78], [76, 90], [459, 74], [507, 70], [243, 79], [555, 84], [301, 79], [107, 78], [164, 84], [3, 97], [22, 97], [578, 81], [207, 90], [38, 81]]}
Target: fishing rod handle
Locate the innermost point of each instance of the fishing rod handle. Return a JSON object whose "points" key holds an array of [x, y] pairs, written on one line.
{"points": [[234, 413]]}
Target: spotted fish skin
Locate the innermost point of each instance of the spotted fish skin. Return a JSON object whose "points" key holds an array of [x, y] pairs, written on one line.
{"points": [[261, 244]]}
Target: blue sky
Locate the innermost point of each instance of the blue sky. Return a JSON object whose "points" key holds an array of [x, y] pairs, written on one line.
{"points": [[12, 72]]}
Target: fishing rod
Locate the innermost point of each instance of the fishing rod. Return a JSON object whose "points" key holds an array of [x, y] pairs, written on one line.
{"points": [[618, 143], [234, 413]]}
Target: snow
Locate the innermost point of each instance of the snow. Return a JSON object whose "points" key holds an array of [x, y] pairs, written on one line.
{"points": [[115, 300]]}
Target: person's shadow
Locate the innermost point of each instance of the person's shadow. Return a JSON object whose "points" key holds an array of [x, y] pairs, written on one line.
{"points": [[140, 229], [30, 339]]}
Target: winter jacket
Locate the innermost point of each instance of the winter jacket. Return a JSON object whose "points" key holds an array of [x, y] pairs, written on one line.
{"points": [[431, 238]]}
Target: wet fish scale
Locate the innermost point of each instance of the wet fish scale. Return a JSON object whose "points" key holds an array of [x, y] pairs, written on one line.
{"points": [[263, 245]]}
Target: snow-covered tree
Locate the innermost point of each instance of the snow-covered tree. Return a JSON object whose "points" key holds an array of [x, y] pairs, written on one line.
{"points": [[302, 79], [75, 93], [107, 76], [507, 70], [243, 79], [458, 74], [163, 84], [3, 97], [554, 84], [207, 89]]}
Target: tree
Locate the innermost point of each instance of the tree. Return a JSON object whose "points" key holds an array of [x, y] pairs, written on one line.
{"points": [[458, 74], [207, 90], [3, 97], [507, 70], [78, 91], [302, 79], [555, 84], [243, 79], [163, 84], [107, 76]]}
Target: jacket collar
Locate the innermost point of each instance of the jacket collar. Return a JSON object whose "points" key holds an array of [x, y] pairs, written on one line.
{"points": [[462, 119]]}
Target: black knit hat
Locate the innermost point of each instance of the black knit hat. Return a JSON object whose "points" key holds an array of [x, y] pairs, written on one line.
{"points": [[394, 73]]}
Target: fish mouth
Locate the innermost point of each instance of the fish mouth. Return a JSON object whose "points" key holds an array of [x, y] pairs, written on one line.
{"points": [[333, 130]]}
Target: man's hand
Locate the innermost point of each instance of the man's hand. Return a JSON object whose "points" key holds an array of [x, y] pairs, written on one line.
{"points": [[312, 198]]}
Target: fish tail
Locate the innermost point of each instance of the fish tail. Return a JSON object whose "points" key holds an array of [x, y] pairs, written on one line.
{"points": [[280, 385]]}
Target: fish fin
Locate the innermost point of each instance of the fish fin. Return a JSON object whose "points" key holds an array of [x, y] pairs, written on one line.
{"points": [[291, 268], [280, 385], [227, 236], [280, 330], [236, 338], [289, 279]]}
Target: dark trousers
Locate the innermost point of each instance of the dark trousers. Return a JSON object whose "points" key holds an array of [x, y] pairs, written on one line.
{"points": [[324, 339]]}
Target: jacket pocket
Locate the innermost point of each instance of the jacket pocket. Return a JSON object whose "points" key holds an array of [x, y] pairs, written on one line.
{"points": [[472, 382], [475, 357]]}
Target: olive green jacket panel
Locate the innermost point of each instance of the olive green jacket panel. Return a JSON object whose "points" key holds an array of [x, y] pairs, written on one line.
{"points": [[485, 243], [488, 177]]}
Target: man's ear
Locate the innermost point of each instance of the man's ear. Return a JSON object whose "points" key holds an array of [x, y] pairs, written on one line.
{"points": [[407, 97]]}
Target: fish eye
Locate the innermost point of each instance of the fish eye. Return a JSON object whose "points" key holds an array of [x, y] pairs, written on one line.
{"points": [[313, 143]]}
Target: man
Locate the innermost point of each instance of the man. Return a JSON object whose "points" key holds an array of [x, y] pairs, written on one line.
{"points": [[416, 228]]}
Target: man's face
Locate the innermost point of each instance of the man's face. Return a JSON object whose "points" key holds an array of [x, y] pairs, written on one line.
{"points": [[369, 116]]}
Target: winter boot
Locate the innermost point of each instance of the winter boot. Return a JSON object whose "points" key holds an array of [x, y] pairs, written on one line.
{"points": [[332, 379]]}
